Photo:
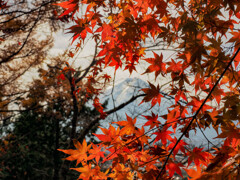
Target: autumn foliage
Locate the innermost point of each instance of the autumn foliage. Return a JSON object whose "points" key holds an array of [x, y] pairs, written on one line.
{"points": [[203, 78]]}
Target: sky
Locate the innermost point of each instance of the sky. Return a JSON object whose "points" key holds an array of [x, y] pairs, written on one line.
{"points": [[83, 58]]}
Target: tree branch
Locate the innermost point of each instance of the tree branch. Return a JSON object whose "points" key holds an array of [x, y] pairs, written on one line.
{"points": [[4, 60], [95, 121], [89, 67], [195, 116]]}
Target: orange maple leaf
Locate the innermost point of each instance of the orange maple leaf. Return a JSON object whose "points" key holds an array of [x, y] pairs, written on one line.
{"points": [[80, 154], [128, 126], [157, 65], [194, 174], [86, 172], [196, 104], [96, 152], [110, 135]]}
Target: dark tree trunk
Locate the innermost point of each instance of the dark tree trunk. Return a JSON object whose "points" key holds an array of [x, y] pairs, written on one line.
{"points": [[56, 152]]}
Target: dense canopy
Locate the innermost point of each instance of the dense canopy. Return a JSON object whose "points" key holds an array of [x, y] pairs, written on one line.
{"points": [[191, 48]]}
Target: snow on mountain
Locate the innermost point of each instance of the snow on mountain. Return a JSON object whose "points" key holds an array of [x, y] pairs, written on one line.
{"points": [[122, 91], [125, 90]]}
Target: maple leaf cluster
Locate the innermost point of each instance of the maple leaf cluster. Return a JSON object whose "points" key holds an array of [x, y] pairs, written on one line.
{"points": [[203, 80]]}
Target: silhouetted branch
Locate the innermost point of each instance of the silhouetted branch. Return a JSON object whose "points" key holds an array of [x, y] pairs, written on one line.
{"points": [[195, 116], [95, 121]]}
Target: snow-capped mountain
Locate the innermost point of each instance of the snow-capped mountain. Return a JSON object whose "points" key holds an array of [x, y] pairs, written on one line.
{"points": [[123, 91]]}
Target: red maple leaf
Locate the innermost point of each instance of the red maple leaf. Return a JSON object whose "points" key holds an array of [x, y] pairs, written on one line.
{"points": [[230, 133], [180, 145], [130, 67], [157, 150], [157, 65], [163, 135], [217, 93], [152, 121], [174, 67], [197, 156], [71, 6], [180, 94], [174, 167], [99, 107], [61, 76], [152, 94], [196, 103]]}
